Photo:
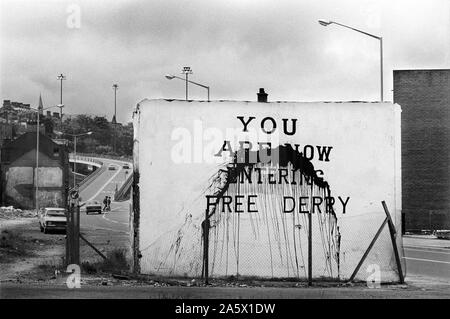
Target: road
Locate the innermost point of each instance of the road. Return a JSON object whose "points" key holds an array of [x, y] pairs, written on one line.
{"points": [[105, 185], [427, 258]]}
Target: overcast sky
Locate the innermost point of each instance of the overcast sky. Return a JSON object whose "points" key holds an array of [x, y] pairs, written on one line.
{"points": [[234, 46]]}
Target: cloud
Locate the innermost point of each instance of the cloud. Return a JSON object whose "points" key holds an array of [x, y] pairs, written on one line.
{"points": [[233, 46]]}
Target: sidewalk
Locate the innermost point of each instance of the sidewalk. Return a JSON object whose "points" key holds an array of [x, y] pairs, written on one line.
{"points": [[14, 290], [426, 241]]}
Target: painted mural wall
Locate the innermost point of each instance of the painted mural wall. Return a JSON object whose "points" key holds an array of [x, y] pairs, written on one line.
{"points": [[251, 173]]}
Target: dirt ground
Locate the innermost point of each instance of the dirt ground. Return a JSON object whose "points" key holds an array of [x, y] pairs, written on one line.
{"points": [[25, 252], [28, 255]]}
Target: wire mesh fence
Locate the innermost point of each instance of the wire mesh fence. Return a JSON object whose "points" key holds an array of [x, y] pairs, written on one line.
{"points": [[262, 230]]}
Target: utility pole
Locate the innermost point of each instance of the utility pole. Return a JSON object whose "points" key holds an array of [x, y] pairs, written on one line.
{"points": [[40, 109], [114, 120], [75, 161], [186, 70], [61, 77]]}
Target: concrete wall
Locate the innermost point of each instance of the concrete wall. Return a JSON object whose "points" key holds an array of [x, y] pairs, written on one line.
{"points": [[349, 151], [425, 99]]}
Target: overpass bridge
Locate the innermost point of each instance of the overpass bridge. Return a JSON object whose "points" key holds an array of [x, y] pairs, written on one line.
{"points": [[122, 192]]}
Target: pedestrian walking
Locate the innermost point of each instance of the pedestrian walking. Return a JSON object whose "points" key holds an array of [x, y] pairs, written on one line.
{"points": [[105, 203], [108, 201]]}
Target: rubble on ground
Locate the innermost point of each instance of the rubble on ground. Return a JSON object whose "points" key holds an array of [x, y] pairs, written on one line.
{"points": [[9, 212]]}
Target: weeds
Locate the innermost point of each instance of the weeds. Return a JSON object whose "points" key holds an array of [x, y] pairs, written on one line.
{"points": [[115, 262]]}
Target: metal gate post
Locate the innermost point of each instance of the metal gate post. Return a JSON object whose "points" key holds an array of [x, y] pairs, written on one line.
{"points": [[69, 235], [205, 227], [76, 234]]}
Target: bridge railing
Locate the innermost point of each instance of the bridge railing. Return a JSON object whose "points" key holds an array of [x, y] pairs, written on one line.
{"points": [[127, 159], [84, 158], [124, 192]]}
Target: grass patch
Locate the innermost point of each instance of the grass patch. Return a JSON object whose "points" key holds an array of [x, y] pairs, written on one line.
{"points": [[115, 262]]}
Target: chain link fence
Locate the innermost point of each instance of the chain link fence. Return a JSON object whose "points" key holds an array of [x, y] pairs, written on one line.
{"points": [[263, 237]]}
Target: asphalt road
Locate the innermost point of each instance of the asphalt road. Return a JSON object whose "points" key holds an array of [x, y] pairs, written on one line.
{"points": [[105, 185], [427, 258]]}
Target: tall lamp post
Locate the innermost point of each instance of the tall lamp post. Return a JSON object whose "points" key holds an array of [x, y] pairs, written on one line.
{"points": [[171, 77], [327, 23], [114, 120], [186, 71], [38, 111], [75, 136], [115, 88], [61, 77]]}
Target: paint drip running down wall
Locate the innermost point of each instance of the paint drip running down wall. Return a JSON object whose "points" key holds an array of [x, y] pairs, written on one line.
{"points": [[264, 239]]}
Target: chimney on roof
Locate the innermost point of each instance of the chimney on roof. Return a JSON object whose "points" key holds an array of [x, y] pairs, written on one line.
{"points": [[262, 96]]}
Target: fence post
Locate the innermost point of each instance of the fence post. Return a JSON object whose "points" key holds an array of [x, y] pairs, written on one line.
{"points": [[69, 228], [76, 234], [310, 248], [368, 250], [205, 227], [392, 232], [73, 230], [92, 246]]}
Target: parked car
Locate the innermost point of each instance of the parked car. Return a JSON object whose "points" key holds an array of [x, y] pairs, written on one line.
{"points": [[112, 167], [52, 218], [93, 207]]}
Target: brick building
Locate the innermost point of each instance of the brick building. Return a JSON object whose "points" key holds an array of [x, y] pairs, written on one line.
{"points": [[424, 96], [18, 172], [16, 111]]}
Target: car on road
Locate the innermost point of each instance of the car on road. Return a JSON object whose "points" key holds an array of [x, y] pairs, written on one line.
{"points": [[112, 167], [93, 207], [126, 166], [52, 218]]}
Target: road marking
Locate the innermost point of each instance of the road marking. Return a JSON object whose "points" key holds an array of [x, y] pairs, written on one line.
{"points": [[104, 185], [429, 251], [429, 260], [429, 247], [113, 221]]}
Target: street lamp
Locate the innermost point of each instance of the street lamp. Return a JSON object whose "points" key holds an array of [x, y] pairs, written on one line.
{"points": [[114, 120], [115, 88], [171, 77], [61, 77], [75, 153], [38, 111], [186, 71], [328, 22]]}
